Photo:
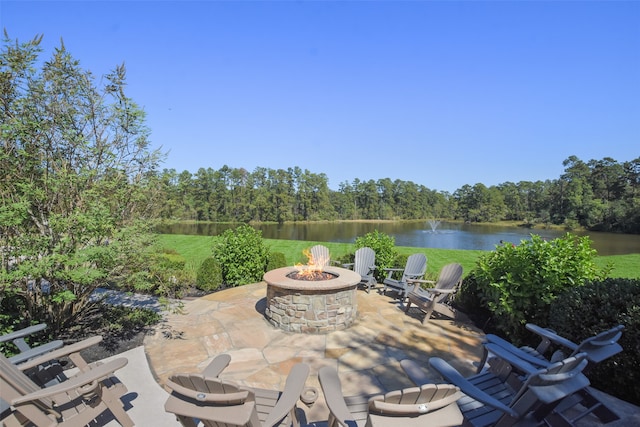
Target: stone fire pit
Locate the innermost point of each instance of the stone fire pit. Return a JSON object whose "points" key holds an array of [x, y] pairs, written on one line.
{"points": [[312, 307]]}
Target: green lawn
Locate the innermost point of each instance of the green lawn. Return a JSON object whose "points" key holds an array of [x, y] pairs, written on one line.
{"points": [[197, 248]]}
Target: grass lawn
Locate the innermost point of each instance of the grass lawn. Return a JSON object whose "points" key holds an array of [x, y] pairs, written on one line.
{"points": [[196, 248]]}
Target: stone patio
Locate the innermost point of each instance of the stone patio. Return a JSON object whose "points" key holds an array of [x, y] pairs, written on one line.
{"points": [[367, 355]]}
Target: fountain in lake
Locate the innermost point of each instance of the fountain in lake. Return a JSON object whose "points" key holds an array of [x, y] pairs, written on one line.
{"points": [[434, 224]]}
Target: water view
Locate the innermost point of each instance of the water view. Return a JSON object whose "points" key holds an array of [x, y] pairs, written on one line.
{"points": [[427, 234]]}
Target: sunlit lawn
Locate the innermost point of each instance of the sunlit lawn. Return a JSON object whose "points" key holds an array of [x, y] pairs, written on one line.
{"points": [[196, 248]]}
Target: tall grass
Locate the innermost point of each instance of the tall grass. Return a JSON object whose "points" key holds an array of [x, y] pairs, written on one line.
{"points": [[196, 248]]}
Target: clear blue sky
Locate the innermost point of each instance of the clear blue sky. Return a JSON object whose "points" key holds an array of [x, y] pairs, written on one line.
{"points": [[441, 93]]}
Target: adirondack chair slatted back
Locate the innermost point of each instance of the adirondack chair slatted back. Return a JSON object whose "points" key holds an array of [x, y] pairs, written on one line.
{"points": [[16, 384], [320, 256], [601, 346], [415, 400], [449, 278], [415, 267], [216, 403], [76, 401], [430, 404], [230, 394], [561, 378], [365, 259]]}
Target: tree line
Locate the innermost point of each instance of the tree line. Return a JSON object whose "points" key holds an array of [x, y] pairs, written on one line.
{"points": [[600, 195]]}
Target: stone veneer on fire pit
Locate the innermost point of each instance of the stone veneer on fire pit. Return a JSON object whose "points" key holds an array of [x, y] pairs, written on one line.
{"points": [[308, 306]]}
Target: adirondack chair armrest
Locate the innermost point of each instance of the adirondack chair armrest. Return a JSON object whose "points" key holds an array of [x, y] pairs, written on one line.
{"points": [[216, 366], [36, 351], [450, 374], [349, 265], [290, 395], [71, 350], [509, 357], [550, 335], [238, 397], [506, 345], [97, 373], [390, 271], [440, 291], [22, 332], [416, 280], [332, 390]]}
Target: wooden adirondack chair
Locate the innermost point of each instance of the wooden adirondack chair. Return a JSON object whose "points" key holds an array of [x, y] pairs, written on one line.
{"points": [[74, 402], [216, 402], [597, 349], [494, 399], [320, 255], [44, 374], [415, 268], [364, 264], [435, 299], [26, 351], [428, 405]]}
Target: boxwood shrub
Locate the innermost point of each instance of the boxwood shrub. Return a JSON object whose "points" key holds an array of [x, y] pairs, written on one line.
{"points": [[276, 260], [209, 277], [584, 311]]}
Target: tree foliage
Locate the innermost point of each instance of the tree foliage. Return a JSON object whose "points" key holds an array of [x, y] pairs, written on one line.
{"points": [[74, 163], [599, 195]]}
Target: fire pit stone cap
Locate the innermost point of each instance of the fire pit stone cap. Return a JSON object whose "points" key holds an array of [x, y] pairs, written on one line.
{"points": [[344, 278]]}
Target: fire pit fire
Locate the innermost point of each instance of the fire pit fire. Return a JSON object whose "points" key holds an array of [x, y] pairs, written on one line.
{"points": [[313, 270]]}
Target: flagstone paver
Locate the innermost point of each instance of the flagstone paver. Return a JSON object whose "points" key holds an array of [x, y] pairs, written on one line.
{"points": [[367, 355]]}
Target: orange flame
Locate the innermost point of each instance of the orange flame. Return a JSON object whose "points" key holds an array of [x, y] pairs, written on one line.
{"points": [[312, 267]]}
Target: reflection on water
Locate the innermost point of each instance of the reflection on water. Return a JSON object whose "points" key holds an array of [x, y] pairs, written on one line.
{"points": [[416, 234]]}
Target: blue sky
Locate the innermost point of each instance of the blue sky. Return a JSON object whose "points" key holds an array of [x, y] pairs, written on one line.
{"points": [[441, 93]]}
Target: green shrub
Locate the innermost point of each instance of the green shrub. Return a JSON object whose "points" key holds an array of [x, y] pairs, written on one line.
{"points": [[276, 260], [348, 258], [599, 305], [209, 276], [469, 300], [384, 247], [242, 254], [517, 283]]}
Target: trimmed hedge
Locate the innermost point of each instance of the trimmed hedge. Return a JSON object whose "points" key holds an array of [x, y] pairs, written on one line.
{"points": [[276, 260], [584, 311], [209, 277]]}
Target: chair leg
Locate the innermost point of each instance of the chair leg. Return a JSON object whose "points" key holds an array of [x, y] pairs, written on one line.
{"points": [[427, 316], [115, 405]]}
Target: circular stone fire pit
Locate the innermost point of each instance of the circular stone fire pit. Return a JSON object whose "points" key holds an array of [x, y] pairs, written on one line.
{"points": [[311, 306]]}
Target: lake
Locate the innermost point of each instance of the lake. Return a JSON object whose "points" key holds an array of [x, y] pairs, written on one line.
{"points": [[446, 235]]}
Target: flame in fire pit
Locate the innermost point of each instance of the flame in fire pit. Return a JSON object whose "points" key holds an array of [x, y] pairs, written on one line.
{"points": [[313, 269]]}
